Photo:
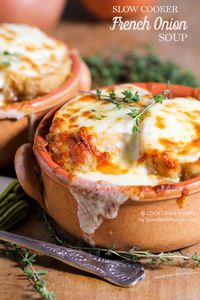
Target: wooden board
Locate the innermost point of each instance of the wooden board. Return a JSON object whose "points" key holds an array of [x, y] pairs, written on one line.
{"points": [[164, 283]]}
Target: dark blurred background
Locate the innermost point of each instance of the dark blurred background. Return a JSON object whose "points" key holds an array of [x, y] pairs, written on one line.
{"points": [[75, 11]]}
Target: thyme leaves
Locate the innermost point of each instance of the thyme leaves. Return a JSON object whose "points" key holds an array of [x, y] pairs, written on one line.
{"points": [[134, 255], [130, 97], [120, 101], [137, 114], [26, 261]]}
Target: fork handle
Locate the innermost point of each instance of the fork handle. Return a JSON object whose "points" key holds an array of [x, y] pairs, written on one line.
{"points": [[121, 273]]}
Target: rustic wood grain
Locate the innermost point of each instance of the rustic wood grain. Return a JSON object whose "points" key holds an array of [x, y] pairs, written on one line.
{"points": [[164, 283], [168, 282]]}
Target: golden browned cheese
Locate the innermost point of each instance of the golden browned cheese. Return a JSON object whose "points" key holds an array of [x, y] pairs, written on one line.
{"points": [[93, 138]]}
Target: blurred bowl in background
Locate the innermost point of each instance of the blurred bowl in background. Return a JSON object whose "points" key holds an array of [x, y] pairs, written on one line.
{"points": [[44, 14], [15, 132], [103, 9]]}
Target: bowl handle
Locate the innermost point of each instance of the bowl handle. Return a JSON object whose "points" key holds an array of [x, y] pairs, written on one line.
{"points": [[26, 169]]}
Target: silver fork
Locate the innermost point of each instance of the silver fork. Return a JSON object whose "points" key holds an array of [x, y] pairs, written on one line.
{"points": [[121, 273]]}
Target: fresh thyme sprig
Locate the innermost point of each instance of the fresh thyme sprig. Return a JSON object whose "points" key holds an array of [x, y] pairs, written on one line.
{"points": [[129, 97], [120, 101], [137, 115], [26, 260], [134, 254]]}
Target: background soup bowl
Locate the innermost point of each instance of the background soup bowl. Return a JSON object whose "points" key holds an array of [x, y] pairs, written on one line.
{"points": [[32, 12], [153, 220], [15, 132], [106, 9]]}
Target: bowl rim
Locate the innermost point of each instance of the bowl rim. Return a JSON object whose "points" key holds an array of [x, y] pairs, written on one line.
{"points": [[143, 193], [49, 100]]}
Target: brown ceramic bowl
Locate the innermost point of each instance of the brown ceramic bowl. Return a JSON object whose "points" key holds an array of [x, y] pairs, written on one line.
{"points": [[32, 12], [103, 9], [14, 133], [160, 218]]}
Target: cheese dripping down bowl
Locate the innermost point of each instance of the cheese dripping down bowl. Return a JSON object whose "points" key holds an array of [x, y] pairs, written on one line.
{"points": [[104, 182], [37, 72]]}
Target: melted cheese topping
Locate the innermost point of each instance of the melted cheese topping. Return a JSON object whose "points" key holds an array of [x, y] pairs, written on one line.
{"points": [[93, 139], [171, 135], [28, 53]]}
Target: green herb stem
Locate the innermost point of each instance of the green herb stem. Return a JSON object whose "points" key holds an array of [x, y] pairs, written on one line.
{"points": [[129, 97], [26, 260], [133, 254]]}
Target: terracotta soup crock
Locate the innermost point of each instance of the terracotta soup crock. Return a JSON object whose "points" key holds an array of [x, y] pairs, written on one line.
{"points": [[14, 133], [157, 221], [106, 9], [44, 14]]}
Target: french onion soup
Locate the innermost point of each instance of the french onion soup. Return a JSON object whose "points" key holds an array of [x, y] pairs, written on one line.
{"points": [[127, 137], [31, 63]]}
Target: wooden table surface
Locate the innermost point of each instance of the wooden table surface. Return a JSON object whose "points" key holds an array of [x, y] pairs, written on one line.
{"points": [[167, 282], [180, 282]]}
